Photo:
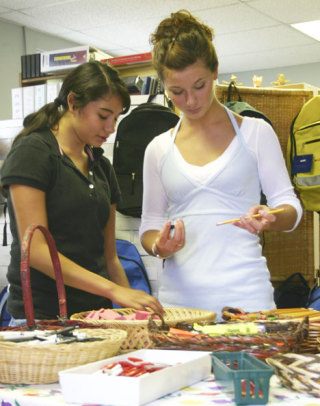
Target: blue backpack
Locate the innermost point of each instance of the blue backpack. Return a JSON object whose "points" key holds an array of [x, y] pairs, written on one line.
{"points": [[132, 264], [314, 296], [4, 315]]}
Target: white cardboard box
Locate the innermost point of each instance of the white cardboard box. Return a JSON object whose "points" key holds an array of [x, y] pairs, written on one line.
{"points": [[62, 59], [84, 385]]}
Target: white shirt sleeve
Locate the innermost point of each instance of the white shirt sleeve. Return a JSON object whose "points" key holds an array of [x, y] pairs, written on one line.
{"points": [[154, 204], [274, 177]]}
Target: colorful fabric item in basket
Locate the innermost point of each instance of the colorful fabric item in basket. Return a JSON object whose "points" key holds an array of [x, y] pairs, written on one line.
{"points": [[109, 314]]}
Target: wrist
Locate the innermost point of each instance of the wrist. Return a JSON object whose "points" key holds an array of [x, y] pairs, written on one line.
{"points": [[155, 252]]}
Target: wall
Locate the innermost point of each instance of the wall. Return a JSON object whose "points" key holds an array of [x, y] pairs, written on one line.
{"points": [[309, 73], [14, 42]]}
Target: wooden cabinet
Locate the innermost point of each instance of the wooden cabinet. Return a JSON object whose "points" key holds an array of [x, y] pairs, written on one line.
{"points": [[291, 252]]}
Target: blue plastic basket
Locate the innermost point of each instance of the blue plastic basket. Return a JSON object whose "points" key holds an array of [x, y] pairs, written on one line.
{"points": [[250, 376]]}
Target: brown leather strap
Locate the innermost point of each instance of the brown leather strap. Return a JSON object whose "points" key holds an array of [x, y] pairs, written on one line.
{"points": [[25, 273]]}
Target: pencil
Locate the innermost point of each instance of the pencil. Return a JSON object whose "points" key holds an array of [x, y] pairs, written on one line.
{"points": [[254, 216]]}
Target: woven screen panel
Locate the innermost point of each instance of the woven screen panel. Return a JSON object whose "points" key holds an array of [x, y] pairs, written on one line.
{"points": [[292, 252]]}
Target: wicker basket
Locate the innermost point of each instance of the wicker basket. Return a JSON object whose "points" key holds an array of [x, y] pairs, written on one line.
{"points": [[36, 364], [22, 363], [277, 338], [312, 343], [299, 372], [138, 332]]}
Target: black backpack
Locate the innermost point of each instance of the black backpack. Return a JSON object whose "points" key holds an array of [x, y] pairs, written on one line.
{"points": [[134, 133], [292, 292]]}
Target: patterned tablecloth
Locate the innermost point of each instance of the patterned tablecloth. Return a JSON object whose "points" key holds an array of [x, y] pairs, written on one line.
{"points": [[204, 393]]}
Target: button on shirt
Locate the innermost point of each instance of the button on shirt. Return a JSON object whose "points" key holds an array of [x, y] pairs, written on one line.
{"points": [[78, 208]]}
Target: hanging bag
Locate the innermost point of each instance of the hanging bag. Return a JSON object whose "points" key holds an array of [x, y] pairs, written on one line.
{"points": [[303, 154], [242, 107], [293, 292], [134, 133]]}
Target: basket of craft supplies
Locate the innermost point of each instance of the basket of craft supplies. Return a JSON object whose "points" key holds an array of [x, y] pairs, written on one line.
{"points": [[34, 353], [136, 323], [262, 340]]}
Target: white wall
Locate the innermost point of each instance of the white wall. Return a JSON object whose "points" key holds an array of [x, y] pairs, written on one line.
{"points": [[309, 73], [14, 42]]}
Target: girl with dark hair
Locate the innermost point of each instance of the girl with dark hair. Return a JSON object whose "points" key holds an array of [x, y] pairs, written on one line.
{"points": [[211, 167], [55, 175]]}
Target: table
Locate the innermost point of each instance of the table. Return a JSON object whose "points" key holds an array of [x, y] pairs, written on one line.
{"points": [[204, 393]]}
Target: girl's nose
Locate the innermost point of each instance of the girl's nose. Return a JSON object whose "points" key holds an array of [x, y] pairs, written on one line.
{"points": [[190, 98], [110, 126]]}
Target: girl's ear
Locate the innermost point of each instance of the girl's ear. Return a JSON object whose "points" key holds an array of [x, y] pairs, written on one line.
{"points": [[71, 100]]}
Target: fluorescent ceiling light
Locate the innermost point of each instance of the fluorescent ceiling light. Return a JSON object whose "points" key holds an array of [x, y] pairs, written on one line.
{"points": [[311, 28]]}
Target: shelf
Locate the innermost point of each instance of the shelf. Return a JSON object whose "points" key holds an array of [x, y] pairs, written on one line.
{"points": [[42, 79], [141, 69]]}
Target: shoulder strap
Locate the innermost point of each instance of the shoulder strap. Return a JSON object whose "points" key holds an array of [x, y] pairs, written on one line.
{"points": [[293, 146]]}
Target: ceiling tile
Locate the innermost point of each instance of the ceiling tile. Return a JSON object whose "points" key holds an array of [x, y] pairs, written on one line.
{"points": [[23, 4], [289, 11], [261, 39], [273, 58], [39, 25], [97, 13], [129, 35], [238, 17]]}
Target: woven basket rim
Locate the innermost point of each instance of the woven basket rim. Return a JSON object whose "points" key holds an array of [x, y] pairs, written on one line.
{"points": [[193, 313], [118, 335]]}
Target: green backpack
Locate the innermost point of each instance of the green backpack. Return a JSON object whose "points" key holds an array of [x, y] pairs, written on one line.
{"points": [[303, 154]]}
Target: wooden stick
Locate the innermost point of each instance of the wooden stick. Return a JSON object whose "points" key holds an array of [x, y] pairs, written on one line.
{"points": [[254, 216]]}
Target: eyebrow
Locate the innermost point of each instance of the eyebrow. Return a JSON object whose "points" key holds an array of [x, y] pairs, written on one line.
{"points": [[107, 110], [179, 87]]}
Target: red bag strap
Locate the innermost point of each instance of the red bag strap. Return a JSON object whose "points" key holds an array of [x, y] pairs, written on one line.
{"points": [[25, 273]]}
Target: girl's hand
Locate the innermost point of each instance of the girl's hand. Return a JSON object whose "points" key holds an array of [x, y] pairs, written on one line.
{"points": [[255, 225], [169, 240], [137, 299]]}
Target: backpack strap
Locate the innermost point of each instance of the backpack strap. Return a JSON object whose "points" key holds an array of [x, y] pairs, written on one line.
{"points": [[293, 146], [233, 90]]}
